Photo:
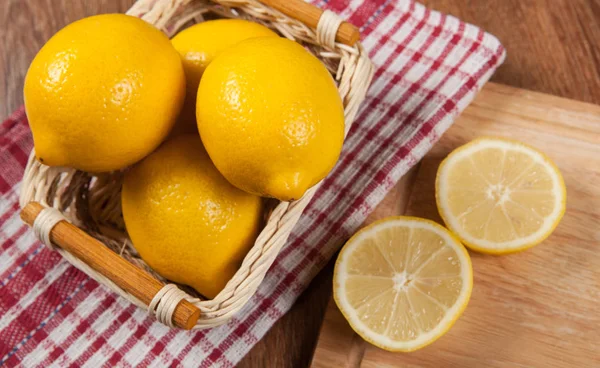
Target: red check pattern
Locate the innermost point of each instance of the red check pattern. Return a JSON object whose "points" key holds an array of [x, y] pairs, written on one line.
{"points": [[429, 67]]}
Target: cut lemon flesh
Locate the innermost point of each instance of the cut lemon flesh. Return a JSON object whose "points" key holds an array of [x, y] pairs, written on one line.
{"points": [[402, 282], [500, 196]]}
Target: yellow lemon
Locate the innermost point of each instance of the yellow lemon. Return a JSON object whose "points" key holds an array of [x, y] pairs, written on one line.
{"points": [[198, 45], [186, 221], [402, 282], [270, 117], [103, 93], [500, 196]]}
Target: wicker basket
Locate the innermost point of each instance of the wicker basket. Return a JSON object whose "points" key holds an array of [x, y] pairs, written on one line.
{"points": [[92, 201]]}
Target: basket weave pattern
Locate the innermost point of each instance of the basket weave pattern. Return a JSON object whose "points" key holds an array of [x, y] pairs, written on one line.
{"points": [[92, 201]]}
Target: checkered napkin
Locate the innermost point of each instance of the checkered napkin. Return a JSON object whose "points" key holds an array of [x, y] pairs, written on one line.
{"points": [[429, 67]]}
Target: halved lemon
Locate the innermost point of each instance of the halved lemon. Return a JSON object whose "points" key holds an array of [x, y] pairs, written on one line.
{"points": [[402, 282], [500, 196]]}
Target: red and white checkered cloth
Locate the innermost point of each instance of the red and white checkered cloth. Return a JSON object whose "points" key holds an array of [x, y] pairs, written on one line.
{"points": [[429, 67]]}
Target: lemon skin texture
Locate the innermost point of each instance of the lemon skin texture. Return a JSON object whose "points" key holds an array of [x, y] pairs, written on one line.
{"points": [[270, 117], [103, 93], [198, 45], [185, 220]]}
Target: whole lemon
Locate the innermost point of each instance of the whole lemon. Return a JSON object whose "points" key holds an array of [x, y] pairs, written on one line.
{"points": [[186, 221], [103, 93], [270, 117], [198, 45]]}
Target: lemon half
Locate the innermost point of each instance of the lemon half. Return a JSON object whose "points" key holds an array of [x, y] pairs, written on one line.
{"points": [[500, 196], [402, 282]]}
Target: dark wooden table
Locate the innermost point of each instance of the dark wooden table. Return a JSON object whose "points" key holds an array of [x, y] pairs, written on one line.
{"points": [[553, 47]]}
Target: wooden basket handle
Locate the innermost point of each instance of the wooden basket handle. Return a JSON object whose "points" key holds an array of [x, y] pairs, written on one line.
{"points": [[128, 277], [309, 14]]}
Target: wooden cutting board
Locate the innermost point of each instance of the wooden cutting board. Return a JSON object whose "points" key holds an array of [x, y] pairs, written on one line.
{"points": [[538, 308]]}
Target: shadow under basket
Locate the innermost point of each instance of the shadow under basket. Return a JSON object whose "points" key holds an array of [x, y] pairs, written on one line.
{"points": [[80, 209]]}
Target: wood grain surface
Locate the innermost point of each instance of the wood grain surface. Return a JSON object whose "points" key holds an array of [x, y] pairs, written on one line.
{"points": [[538, 308], [552, 47], [533, 309]]}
